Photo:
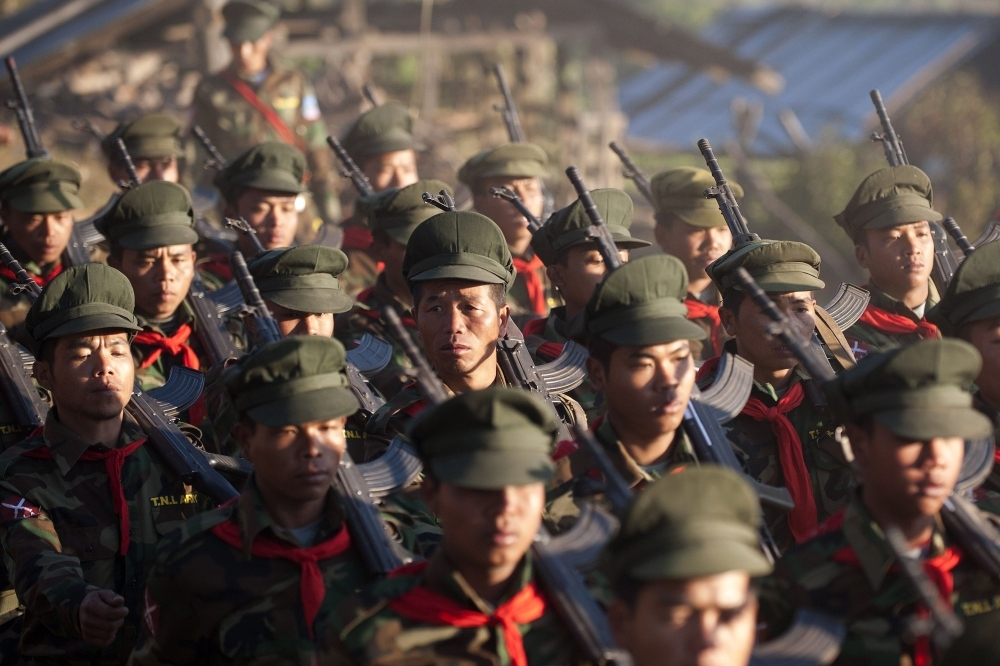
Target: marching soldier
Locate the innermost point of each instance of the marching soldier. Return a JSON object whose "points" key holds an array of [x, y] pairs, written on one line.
{"points": [[691, 228], [782, 437], [476, 600], [84, 503], [519, 167], [37, 199], [908, 412], [641, 361], [887, 218], [681, 570], [153, 142]]}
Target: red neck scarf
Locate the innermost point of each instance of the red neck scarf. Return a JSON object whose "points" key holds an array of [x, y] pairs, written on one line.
{"points": [[699, 310], [114, 460], [311, 587], [894, 324], [533, 283], [42, 280], [174, 345], [803, 518], [429, 607]]}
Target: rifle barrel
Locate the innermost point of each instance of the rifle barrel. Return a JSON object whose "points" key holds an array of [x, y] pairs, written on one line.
{"points": [[633, 172], [25, 115], [955, 231], [351, 170]]}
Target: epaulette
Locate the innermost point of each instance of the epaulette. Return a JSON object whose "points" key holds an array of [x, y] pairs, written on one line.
{"points": [[14, 453], [370, 600]]}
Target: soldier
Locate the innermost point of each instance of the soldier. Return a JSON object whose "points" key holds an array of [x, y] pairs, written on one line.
{"points": [[907, 413], [254, 101], [84, 503], [691, 228], [153, 142], [392, 216], [887, 218], [782, 436], [682, 569], [641, 361], [37, 199], [246, 582], [485, 455], [519, 167]]}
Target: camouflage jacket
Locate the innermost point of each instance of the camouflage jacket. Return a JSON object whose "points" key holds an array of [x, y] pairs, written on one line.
{"points": [[208, 602], [756, 447], [544, 338], [13, 309], [61, 536], [578, 478], [873, 597], [373, 633], [865, 338]]}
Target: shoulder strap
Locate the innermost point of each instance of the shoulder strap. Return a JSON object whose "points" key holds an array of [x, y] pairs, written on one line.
{"points": [[262, 107], [834, 339]]}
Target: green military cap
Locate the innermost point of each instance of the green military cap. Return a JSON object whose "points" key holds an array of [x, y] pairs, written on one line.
{"points": [[302, 278], [681, 192], [461, 245], [271, 166], [973, 293], [384, 129], [299, 379], [777, 266], [248, 20], [569, 226], [154, 214], [918, 392], [155, 135], [889, 197], [487, 439], [642, 303], [702, 521], [516, 160], [399, 210], [41, 185], [82, 298]]}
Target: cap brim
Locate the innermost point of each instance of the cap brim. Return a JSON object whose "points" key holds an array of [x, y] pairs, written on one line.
{"points": [[248, 31], [273, 181], [320, 405], [705, 218], [785, 282], [707, 559], [94, 322], [927, 423], [386, 144], [493, 470], [312, 300], [165, 236], [45, 202], [470, 273], [904, 215], [653, 332]]}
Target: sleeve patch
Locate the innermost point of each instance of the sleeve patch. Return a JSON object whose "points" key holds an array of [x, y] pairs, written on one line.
{"points": [[17, 508], [152, 614]]}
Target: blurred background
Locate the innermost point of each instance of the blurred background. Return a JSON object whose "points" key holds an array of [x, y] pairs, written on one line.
{"points": [[780, 89]]}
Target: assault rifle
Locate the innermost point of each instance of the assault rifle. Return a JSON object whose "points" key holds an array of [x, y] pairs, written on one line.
{"points": [[507, 194], [350, 169], [215, 159], [508, 110], [632, 171]]}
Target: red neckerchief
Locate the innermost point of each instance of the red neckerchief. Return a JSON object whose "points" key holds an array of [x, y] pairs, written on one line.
{"points": [[42, 280], [217, 264], [535, 326], [894, 324], [430, 607], [263, 108], [114, 460], [356, 237], [311, 587], [699, 310], [536, 290], [174, 345], [550, 350]]}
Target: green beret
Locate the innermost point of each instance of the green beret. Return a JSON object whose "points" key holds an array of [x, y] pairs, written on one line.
{"points": [[699, 522], [399, 210], [41, 186], [515, 160], [681, 192], [299, 379], [918, 392], [462, 245], [271, 166], [302, 278], [248, 20], [973, 293], [154, 214], [82, 298], [887, 198], [642, 303], [569, 226], [487, 439], [777, 266], [384, 129], [155, 135]]}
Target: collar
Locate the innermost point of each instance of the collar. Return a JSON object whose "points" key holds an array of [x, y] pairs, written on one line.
{"points": [[183, 315], [680, 451], [710, 296], [66, 448], [880, 299], [798, 374], [557, 327], [441, 576]]}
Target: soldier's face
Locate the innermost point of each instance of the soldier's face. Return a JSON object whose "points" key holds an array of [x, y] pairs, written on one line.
{"points": [[646, 389], [90, 375], [708, 621], [767, 353], [272, 215], [985, 337], [395, 169], [42, 236], [576, 280], [908, 479], [251, 57], [160, 277], [496, 527], [296, 322], [152, 168], [295, 463], [899, 259], [696, 247], [513, 225]]}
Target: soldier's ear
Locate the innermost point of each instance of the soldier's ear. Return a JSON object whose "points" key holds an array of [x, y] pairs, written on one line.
{"points": [[42, 371], [728, 321], [595, 372]]}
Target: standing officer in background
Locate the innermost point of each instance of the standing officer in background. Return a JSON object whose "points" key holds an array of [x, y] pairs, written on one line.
{"points": [[153, 142], [691, 228], [519, 167]]}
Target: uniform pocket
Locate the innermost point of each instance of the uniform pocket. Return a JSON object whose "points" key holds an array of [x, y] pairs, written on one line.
{"points": [[88, 544]]}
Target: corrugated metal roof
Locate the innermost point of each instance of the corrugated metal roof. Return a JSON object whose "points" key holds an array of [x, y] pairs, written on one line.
{"points": [[829, 63]]}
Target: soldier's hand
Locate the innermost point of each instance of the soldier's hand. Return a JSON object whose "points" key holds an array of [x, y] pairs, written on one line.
{"points": [[102, 614]]}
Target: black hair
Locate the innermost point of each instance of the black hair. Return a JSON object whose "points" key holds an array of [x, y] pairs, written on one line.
{"points": [[498, 293]]}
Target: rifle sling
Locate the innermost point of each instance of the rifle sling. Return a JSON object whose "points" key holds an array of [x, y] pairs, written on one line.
{"points": [[262, 107], [831, 336]]}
